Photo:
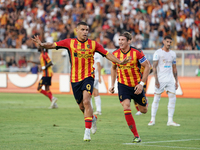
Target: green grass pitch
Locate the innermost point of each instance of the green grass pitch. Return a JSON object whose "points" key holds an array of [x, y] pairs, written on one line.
{"points": [[26, 123]]}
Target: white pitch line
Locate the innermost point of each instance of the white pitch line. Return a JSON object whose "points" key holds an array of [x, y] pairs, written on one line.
{"points": [[163, 141], [169, 146]]}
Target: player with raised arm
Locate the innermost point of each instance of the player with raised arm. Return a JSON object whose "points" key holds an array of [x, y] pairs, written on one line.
{"points": [[165, 71], [130, 83], [81, 51], [47, 73]]}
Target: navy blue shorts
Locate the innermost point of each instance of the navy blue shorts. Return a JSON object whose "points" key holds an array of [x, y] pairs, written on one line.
{"points": [[126, 92], [45, 81], [79, 87]]}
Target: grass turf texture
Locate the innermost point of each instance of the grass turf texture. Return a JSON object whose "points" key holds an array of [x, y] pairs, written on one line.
{"points": [[26, 123]]}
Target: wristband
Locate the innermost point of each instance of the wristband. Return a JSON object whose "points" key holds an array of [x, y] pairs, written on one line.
{"points": [[43, 67], [142, 83]]}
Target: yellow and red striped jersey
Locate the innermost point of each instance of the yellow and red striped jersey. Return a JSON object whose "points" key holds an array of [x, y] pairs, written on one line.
{"points": [[81, 57], [129, 74], [44, 60]]}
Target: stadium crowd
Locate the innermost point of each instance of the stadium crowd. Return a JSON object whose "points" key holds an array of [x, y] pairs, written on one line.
{"points": [[147, 20]]}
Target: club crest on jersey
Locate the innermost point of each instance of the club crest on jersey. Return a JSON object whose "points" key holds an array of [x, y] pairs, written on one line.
{"points": [[88, 46]]}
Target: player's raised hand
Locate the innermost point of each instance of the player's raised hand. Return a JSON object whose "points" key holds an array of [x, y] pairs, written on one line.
{"points": [[112, 89], [36, 39], [125, 60]]}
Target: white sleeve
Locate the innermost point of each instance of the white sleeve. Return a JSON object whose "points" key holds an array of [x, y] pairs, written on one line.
{"points": [[155, 56]]}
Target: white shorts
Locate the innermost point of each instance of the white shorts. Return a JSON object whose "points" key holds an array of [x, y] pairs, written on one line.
{"points": [[96, 84], [167, 86]]}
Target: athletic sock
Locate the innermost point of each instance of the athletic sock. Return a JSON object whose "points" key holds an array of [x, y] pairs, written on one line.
{"points": [[171, 106], [45, 93], [131, 122], [88, 122], [98, 103], [49, 95], [136, 106], [154, 106]]}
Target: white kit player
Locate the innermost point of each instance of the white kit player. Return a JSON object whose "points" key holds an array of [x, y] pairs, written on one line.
{"points": [[97, 80], [165, 71]]}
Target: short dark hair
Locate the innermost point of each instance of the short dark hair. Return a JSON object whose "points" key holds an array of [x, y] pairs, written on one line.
{"points": [[168, 37], [127, 35], [82, 23]]}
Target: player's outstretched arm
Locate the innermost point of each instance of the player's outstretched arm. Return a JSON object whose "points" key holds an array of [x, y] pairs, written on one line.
{"points": [[34, 62], [43, 45], [112, 58]]}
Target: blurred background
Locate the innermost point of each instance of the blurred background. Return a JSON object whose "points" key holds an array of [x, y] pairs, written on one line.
{"points": [[53, 20]]}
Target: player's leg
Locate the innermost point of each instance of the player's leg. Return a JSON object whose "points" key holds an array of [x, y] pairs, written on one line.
{"points": [[140, 99], [39, 88], [49, 94], [124, 93], [88, 114], [51, 97], [90, 119], [154, 108], [130, 120], [137, 108], [155, 104], [97, 99], [171, 104]]}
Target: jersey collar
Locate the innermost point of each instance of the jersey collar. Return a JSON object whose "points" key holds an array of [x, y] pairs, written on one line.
{"points": [[127, 51], [81, 41]]}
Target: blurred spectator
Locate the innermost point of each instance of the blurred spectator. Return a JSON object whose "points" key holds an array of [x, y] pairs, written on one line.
{"points": [[13, 68], [34, 69], [149, 20], [22, 63], [11, 62]]}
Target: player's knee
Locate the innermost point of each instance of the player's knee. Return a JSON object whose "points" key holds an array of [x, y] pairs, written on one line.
{"points": [[144, 111], [86, 102]]}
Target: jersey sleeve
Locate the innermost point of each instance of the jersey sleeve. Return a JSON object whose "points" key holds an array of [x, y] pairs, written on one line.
{"points": [[141, 57], [155, 56], [99, 48], [63, 43]]}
